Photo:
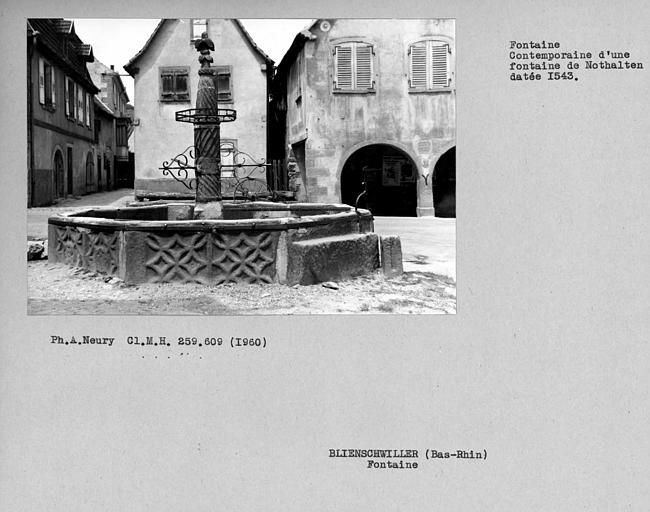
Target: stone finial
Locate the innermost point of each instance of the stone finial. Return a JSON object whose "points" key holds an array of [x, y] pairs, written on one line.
{"points": [[204, 45]]}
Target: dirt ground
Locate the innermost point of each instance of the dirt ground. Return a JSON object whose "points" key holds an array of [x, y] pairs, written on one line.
{"points": [[62, 290]]}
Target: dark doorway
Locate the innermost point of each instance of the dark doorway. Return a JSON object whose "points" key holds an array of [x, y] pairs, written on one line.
{"points": [[444, 185], [107, 170], [100, 185], [59, 175], [391, 178], [70, 172], [90, 171]]}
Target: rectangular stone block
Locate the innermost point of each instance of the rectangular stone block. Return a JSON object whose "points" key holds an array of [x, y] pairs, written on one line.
{"points": [[391, 256], [332, 258]]}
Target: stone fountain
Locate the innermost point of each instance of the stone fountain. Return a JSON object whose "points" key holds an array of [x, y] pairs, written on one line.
{"points": [[212, 240]]}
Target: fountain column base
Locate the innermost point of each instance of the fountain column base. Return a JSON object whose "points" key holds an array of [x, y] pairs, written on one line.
{"points": [[210, 210]]}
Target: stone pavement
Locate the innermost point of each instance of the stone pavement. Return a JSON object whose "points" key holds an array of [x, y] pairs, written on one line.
{"points": [[37, 217], [428, 243]]}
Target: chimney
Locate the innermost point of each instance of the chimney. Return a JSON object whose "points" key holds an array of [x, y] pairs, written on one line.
{"points": [[112, 67]]}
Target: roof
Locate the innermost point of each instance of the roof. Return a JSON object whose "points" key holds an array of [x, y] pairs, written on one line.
{"points": [[103, 106], [252, 43], [298, 42], [129, 65], [57, 39], [97, 69], [131, 68], [63, 26], [85, 50]]}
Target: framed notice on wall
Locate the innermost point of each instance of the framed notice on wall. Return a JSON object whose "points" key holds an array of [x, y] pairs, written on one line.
{"points": [[391, 171]]}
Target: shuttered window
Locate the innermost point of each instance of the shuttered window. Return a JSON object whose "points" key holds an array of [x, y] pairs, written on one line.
{"points": [[174, 84], [70, 95], [46, 85], [429, 65], [223, 83], [89, 103], [354, 67], [80, 105]]}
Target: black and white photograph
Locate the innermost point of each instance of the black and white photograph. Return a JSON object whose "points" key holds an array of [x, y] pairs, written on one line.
{"points": [[216, 166], [248, 283]]}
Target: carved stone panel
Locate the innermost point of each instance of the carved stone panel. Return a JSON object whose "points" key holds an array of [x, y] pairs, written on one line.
{"points": [[177, 257], [69, 246], [244, 257], [101, 252]]}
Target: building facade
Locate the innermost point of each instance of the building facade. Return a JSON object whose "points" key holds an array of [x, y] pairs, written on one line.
{"points": [[112, 125], [60, 143], [371, 101], [166, 78]]}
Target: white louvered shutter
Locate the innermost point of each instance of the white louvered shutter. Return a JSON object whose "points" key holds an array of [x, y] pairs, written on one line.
{"points": [[343, 67], [80, 104], [53, 91], [67, 97], [439, 74], [418, 64], [363, 67], [41, 81]]}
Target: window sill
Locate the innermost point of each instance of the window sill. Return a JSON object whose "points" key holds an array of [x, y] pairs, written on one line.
{"points": [[49, 107], [174, 101], [354, 91], [431, 91]]}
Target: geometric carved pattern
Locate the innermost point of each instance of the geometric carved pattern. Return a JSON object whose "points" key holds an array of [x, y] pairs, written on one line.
{"points": [[241, 257], [177, 257], [190, 257], [69, 246], [102, 252], [210, 258], [96, 251]]}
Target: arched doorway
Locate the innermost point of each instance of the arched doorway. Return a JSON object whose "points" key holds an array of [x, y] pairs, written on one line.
{"points": [[391, 178], [59, 184], [90, 171], [444, 185]]}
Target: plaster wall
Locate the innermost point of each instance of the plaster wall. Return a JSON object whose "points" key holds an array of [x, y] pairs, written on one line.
{"points": [[56, 115], [48, 142], [53, 129], [422, 124], [158, 137]]}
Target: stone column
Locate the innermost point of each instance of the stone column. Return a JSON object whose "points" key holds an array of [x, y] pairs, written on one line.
{"points": [[207, 136]]}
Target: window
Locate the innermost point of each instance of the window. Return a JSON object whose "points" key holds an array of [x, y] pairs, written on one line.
{"points": [[429, 65], [174, 84], [228, 148], [121, 134], [89, 103], [80, 104], [198, 27], [354, 67], [223, 83], [69, 98], [46, 85]]}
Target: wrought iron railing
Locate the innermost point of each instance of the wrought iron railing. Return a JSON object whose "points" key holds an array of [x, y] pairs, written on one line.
{"points": [[241, 177]]}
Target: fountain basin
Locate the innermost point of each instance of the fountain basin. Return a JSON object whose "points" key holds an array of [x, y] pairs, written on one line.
{"points": [[259, 242]]}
